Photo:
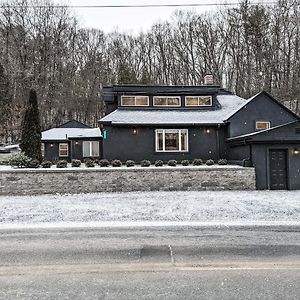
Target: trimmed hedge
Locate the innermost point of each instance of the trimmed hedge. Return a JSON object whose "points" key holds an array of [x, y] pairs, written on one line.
{"points": [[185, 162], [116, 163], [222, 162], [130, 163], [62, 164], [197, 162], [145, 163], [172, 163], [46, 164], [76, 163], [159, 163], [210, 162], [103, 163]]}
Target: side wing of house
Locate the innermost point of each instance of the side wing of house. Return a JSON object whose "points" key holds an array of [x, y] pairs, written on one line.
{"points": [[261, 112]]}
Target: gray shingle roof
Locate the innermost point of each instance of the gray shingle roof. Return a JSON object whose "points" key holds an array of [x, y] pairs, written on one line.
{"points": [[66, 133], [229, 105]]}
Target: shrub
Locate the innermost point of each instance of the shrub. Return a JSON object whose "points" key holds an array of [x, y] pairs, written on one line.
{"points": [[103, 163], [172, 163], [19, 160], [76, 163], [61, 164], [222, 162], [185, 162], [130, 163], [116, 163], [210, 162], [46, 164], [159, 163], [89, 163], [145, 163], [197, 162], [34, 163]]}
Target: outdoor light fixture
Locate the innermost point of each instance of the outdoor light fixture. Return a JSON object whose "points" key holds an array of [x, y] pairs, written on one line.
{"points": [[51, 145], [76, 143], [134, 131], [207, 130], [296, 151]]}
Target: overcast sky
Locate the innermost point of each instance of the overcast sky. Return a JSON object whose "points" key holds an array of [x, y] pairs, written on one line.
{"points": [[134, 20]]}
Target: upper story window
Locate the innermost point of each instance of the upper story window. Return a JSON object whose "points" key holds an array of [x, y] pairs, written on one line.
{"points": [[198, 101], [134, 101], [166, 101], [260, 125]]}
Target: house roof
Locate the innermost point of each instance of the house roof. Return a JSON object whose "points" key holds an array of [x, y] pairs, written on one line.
{"points": [[229, 104], [64, 133]]}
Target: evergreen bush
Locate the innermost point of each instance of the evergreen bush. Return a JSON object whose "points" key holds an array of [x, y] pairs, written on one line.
{"points": [[130, 163], [19, 160], [172, 163], [89, 163], [222, 162], [116, 163], [34, 163], [197, 162], [185, 162], [61, 164], [46, 164], [145, 163], [76, 163], [159, 163], [210, 162], [103, 163]]}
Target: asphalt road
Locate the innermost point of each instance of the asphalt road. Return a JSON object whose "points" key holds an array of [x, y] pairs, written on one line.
{"points": [[150, 263]]}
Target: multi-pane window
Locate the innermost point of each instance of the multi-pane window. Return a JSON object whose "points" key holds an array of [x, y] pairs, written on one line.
{"points": [[198, 101], [260, 125], [90, 148], [171, 140], [166, 101], [134, 100], [43, 149], [63, 150]]}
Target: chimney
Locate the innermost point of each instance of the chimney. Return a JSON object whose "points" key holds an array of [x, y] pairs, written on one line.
{"points": [[208, 79]]}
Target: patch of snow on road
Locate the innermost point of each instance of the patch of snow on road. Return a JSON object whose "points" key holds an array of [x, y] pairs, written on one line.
{"points": [[205, 207]]}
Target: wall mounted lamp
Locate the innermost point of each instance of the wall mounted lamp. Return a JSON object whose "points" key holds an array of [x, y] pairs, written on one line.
{"points": [[134, 131], [296, 151], [76, 143], [51, 145], [207, 130]]}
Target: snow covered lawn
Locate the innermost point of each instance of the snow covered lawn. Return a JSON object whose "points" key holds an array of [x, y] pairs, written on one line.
{"points": [[228, 207]]}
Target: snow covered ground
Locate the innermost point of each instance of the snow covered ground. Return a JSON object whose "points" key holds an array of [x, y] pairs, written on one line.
{"points": [[152, 208]]}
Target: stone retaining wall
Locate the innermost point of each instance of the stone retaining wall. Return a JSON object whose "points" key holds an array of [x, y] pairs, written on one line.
{"points": [[50, 181]]}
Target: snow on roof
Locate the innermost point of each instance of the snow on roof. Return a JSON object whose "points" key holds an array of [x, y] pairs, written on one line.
{"points": [[66, 133], [229, 105]]}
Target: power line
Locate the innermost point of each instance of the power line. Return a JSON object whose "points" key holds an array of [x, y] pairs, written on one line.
{"points": [[139, 5]]}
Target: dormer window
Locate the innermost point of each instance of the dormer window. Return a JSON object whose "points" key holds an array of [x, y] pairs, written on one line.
{"points": [[260, 125], [166, 101], [134, 101], [198, 101]]}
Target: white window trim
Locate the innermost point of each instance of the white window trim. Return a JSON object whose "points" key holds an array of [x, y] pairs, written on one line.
{"points": [[134, 96], [179, 131], [176, 97], [43, 149], [210, 100], [90, 148], [265, 122], [60, 144]]}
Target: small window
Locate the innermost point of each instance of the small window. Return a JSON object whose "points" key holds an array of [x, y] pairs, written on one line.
{"points": [[198, 101], [63, 150], [171, 140], [166, 101], [260, 125], [43, 149], [297, 130], [134, 100], [90, 149]]}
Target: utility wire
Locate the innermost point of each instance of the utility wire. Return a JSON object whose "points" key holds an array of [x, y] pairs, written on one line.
{"points": [[139, 5]]}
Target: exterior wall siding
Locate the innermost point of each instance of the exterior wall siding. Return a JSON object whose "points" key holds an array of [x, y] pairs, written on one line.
{"points": [[42, 181], [122, 144]]}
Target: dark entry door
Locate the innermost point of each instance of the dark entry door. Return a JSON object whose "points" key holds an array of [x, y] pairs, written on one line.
{"points": [[278, 169]]}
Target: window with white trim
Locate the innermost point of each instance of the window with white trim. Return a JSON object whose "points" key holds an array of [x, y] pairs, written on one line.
{"points": [[198, 101], [171, 140], [134, 101], [43, 149], [90, 148], [166, 101], [260, 125], [63, 150]]}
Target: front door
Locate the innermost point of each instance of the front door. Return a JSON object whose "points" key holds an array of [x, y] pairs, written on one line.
{"points": [[278, 169]]}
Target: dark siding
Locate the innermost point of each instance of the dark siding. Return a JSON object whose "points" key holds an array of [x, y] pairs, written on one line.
{"points": [[261, 108], [74, 124], [238, 153], [52, 153], [122, 144]]}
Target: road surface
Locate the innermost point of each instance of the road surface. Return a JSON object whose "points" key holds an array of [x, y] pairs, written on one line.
{"points": [[150, 263]]}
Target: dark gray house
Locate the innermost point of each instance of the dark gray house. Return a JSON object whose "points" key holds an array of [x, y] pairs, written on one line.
{"points": [[71, 140], [187, 122]]}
